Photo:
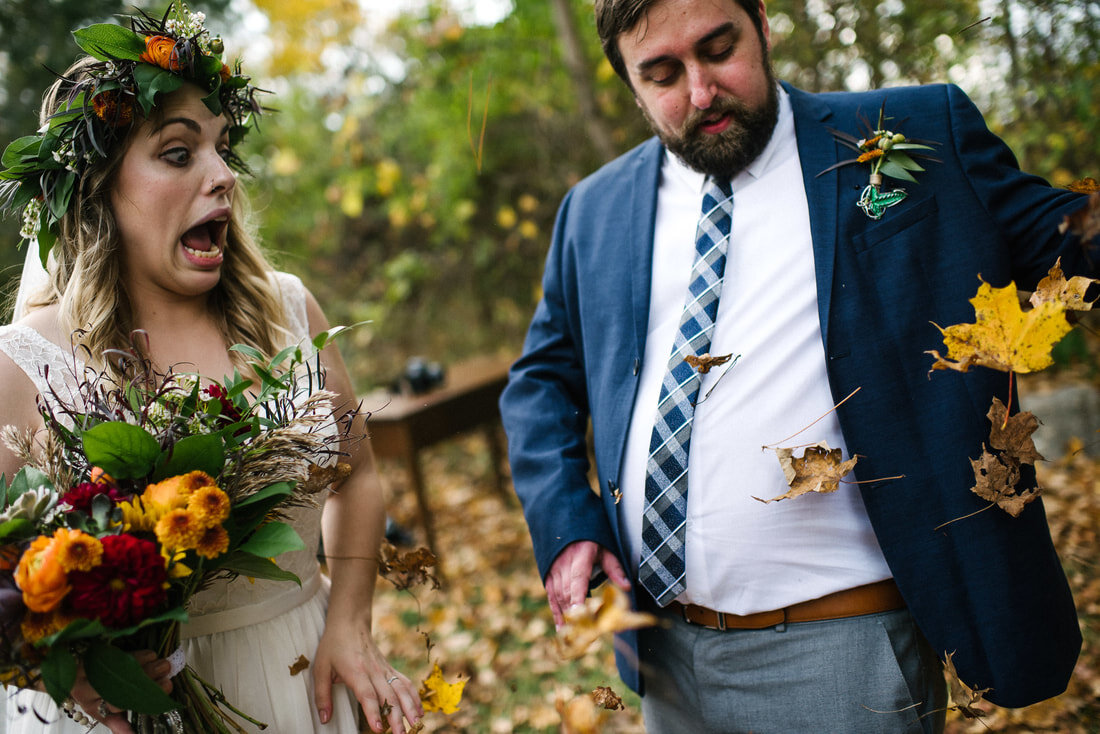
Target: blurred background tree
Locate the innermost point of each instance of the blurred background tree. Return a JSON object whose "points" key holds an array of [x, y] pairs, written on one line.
{"points": [[413, 170]]}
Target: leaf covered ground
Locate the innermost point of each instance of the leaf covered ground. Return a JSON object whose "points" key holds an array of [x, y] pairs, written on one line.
{"points": [[489, 625]]}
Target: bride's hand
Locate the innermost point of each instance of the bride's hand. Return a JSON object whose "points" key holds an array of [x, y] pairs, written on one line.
{"points": [[97, 709], [348, 654]]}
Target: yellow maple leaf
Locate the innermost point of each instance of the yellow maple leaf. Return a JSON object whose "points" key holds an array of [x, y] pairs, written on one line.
{"points": [[819, 469], [1070, 294], [1004, 336], [436, 694]]}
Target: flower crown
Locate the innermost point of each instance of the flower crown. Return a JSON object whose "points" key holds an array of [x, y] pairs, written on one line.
{"points": [[38, 173]]}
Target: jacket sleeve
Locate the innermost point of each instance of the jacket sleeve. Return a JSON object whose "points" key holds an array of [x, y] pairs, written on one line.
{"points": [[545, 413]]}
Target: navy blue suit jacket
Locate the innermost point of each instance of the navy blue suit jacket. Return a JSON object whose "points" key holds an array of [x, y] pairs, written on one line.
{"points": [[990, 587]]}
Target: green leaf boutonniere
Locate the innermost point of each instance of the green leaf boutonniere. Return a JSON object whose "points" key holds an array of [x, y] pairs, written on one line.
{"points": [[888, 153]]}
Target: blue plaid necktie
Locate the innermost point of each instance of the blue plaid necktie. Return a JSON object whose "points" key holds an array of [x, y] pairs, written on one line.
{"points": [[661, 570]]}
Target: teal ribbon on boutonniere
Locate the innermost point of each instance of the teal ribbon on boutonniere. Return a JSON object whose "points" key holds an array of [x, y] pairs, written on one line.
{"points": [[888, 153]]}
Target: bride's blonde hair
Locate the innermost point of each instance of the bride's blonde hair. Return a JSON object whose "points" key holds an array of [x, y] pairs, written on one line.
{"points": [[84, 266]]}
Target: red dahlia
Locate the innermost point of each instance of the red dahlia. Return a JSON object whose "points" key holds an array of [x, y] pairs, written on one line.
{"points": [[127, 587], [80, 497]]}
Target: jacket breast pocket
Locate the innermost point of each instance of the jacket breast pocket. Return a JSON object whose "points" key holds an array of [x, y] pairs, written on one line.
{"points": [[898, 219]]}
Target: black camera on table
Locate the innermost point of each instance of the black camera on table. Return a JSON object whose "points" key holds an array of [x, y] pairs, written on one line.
{"points": [[419, 376]]}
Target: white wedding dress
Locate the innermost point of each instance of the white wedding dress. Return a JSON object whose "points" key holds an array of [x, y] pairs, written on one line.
{"points": [[243, 636]]}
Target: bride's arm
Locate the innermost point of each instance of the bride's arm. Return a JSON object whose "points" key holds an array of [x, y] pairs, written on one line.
{"points": [[17, 408], [353, 525]]}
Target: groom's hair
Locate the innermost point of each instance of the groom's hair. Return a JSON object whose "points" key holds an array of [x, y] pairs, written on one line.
{"points": [[615, 17]]}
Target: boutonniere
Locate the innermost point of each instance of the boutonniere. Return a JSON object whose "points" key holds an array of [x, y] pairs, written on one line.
{"points": [[888, 153]]}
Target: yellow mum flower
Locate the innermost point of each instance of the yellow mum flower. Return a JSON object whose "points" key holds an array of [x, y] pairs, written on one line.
{"points": [[77, 551], [179, 529], [213, 543], [210, 505], [137, 516], [37, 625], [174, 492]]}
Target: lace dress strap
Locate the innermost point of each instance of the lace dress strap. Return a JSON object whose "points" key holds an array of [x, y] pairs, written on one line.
{"points": [[293, 293], [50, 368]]}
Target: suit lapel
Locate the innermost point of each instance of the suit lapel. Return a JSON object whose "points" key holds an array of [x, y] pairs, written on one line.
{"points": [[639, 242], [817, 150]]}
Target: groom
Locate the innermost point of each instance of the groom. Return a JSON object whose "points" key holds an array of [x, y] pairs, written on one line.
{"points": [[733, 232]]}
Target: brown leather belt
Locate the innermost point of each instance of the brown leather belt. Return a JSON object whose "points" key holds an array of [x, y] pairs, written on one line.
{"points": [[882, 596]]}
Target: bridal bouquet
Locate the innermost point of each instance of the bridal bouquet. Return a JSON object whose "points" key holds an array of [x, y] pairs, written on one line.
{"points": [[143, 491]]}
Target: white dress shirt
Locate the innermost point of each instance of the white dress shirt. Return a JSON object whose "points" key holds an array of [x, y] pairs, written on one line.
{"points": [[744, 556]]}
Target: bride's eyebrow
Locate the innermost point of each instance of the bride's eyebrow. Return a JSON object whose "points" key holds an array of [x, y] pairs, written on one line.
{"points": [[189, 124]]}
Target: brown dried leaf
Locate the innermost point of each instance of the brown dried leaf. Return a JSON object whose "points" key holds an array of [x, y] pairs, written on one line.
{"points": [[1085, 222], [608, 613], [704, 362], [996, 481], [605, 697], [579, 715], [962, 696], [1069, 293], [1085, 185], [302, 663], [819, 469], [1013, 435], [405, 570], [321, 477]]}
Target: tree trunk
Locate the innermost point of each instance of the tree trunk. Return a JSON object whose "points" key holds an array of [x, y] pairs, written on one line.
{"points": [[577, 65]]}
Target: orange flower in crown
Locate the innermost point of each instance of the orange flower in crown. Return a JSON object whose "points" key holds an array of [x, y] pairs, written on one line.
{"points": [[111, 109], [41, 577], [161, 51]]}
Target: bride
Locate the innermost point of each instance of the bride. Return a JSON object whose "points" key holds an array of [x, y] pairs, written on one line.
{"points": [[151, 236]]}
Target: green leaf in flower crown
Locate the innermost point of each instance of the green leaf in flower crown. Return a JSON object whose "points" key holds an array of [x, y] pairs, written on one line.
{"points": [[21, 148], [272, 539], [46, 240], [122, 450], [254, 567], [119, 678], [152, 80], [202, 452], [59, 672], [59, 201], [110, 42]]}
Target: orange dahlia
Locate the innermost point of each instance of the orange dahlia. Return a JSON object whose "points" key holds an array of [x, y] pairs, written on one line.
{"points": [[161, 51]]}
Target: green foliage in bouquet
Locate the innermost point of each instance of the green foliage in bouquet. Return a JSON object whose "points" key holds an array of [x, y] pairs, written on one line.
{"points": [[142, 493]]}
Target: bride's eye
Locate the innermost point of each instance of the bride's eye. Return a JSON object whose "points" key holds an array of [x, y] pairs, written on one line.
{"points": [[177, 156]]}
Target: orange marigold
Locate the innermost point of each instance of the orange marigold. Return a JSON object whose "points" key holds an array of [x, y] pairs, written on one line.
{"points": [[161, 51], [179, 529], [77, 551], [40, 577], [870, 155], [214, 542], [210, 504]]}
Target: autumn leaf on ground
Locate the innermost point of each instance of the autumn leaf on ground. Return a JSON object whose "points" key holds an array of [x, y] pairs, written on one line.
{"points": [[704, 362], [1085, 222], [606, 698], [819, 469], [302, 663], [579, 715], [1003, 337], [1012, 435], [436, 694], [962, 696], [996, 481], [405, 570], [1069, 293], [608, 613]]}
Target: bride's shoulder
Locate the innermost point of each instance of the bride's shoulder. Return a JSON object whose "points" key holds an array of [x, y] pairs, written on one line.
{"points": [[44, 322]]}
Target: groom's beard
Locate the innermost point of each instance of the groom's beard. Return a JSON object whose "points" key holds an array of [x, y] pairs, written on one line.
{"points": [[725, 154]]}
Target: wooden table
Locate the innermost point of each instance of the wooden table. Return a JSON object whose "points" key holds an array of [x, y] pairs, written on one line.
{"points": [[401, 425]]}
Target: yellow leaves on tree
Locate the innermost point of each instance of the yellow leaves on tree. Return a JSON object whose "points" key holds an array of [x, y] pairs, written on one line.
{"points": [[963, 697], [819, 469], [436, 694], [1004, 336], [606, 614]]}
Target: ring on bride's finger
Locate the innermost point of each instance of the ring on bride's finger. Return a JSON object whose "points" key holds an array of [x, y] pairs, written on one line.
{"points": [[391, 680], [102, 710]]}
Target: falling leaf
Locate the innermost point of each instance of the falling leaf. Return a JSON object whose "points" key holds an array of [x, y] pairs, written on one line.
{"points": [[1086, 185], [608, 613], [617, 495], [819, 469], [579, 715], [962, 696], [996, 481], [1085, 222], [1070, 294], [1003, 337], [704, 362], [302, 663], [606, 698], [1012, 434], [321, 477], [436, 694], [405, 570]]}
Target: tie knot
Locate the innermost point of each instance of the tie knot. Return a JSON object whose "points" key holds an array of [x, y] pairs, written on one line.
{"points": [[718, 188]]}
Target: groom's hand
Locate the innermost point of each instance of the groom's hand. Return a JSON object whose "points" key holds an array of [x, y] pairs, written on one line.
{"points": [[571, 572]]}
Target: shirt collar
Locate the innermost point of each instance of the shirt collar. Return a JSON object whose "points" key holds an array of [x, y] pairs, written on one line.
{"points": [[782, 136]]}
